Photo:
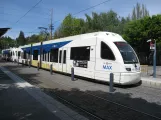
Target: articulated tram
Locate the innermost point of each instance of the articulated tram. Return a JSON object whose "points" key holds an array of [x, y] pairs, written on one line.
{"points": [[93, 55]]}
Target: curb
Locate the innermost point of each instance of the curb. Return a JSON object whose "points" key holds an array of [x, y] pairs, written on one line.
{"points": [[151, 82]]}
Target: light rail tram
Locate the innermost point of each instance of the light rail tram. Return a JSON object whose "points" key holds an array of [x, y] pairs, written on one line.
{"points": [[93, 55]]}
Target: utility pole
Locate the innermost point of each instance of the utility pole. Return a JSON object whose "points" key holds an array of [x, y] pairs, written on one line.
{"points": [[51, 25]]}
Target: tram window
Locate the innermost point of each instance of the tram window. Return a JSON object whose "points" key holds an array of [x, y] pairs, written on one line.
{"points": [[60, 53], [11, 53], [35, 55], [19, 52], [106, 52], [80, 53], [24, 55], [45, 59], [43, 56], [54, 55], [64, 57], [48, 57]]}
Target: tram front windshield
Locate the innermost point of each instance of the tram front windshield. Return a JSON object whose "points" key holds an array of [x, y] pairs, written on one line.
{"points": [[127, 52]]}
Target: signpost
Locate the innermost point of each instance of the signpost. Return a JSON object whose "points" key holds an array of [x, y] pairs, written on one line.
{"points": [[153, 48]]}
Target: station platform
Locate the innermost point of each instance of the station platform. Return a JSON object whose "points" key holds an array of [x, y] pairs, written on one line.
{"points": [[147, 76], [151, 82], [132, 103], [20, 100]]}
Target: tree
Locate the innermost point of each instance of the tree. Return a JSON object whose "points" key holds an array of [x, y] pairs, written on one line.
{"points": [[21, 39], [139, 31], [70, 26], [139, 11], [33, 39], [105, 21], [109, 21], [6, 42], [67, 25]]}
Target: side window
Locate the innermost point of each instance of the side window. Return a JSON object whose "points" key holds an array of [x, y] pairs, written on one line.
{"points": [[43, 57], [54, 55], [106, 52], [35, 55], [48, 57], [60, 53], [19, 53], [24, 55], [64, 57], [80, 53]]}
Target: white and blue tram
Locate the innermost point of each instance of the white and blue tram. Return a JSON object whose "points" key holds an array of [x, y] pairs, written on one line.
{"points": [[93, 55]]}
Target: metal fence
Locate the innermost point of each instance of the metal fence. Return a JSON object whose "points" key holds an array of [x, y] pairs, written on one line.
{"points": [[147, 71], [147, 59]]}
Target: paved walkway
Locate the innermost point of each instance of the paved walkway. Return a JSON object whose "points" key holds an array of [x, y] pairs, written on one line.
{"points": [[20, 100]]}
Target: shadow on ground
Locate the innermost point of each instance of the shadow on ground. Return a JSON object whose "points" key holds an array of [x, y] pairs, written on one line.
{"points": [[106, 105], [31, 78]]}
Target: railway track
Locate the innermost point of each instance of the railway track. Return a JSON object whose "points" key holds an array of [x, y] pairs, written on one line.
{"points": [[118, 104], [89, 111]]}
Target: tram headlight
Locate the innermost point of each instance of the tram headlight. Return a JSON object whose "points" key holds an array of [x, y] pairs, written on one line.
{"points": [[128, 69]]}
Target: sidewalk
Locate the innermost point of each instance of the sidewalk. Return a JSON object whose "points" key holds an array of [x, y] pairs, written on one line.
{"points": [[23, 101], [152, 82], [147, 78]]}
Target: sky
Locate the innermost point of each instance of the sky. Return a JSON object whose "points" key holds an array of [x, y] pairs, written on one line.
{"points": [[12, 12]]}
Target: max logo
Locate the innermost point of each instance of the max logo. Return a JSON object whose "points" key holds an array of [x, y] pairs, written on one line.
{"points": [[107, 67]]}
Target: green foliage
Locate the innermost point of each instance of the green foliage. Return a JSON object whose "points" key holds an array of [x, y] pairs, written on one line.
{"points": [[70, 26], [109, 21], [139, 31], [6, 42], [21, 39], [139, 11]]}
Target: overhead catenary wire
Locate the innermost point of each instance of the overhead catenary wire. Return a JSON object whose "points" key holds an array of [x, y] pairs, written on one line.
{"points": [[28, 11], [20, 15], [62, 19], [91, 7], [40, 13], [15, 9], [86, 9]]}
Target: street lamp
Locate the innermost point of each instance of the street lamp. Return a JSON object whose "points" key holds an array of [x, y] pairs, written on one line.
{"points": [[45, 30], [154, 57], [41, 49]]}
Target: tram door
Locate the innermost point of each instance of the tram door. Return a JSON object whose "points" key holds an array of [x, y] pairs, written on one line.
{"points": [[62, 59]]}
